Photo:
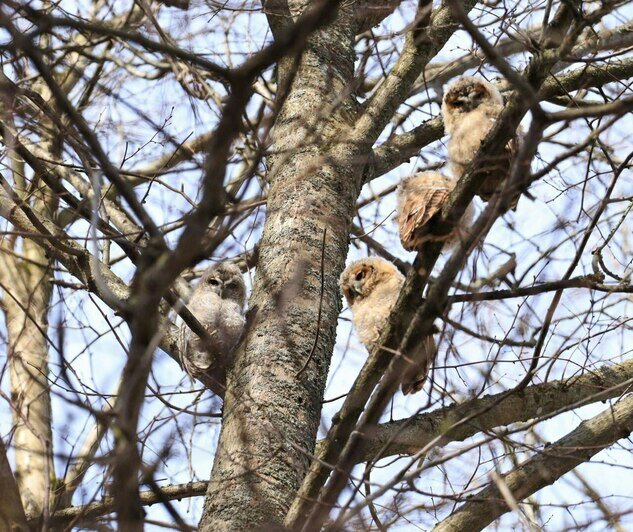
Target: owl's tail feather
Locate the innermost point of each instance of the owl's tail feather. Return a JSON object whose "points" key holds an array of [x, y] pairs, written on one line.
{"points": [[415, 376]]}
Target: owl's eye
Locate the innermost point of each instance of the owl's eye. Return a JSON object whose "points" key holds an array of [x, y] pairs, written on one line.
{"points": [[360, 275], [213, 282], [231, 284]]}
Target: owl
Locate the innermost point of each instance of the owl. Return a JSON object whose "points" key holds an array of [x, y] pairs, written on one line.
{"points": [[470, 108], [371, 287], [420, 201], [217, 302]]}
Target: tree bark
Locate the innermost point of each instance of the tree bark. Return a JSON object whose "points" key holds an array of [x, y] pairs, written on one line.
{"points": [[272, 408], [26, 298], [25, 274], [442, 426]]}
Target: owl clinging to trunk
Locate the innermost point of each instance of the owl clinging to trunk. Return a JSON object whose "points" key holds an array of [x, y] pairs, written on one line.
{"points": [[420, 201], [371, 287], [470, 109], [217, 302]]}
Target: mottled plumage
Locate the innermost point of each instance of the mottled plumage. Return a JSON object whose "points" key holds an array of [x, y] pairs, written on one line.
{"points": [[470, 109], [420, 200], [217, 302], [371, 287]]}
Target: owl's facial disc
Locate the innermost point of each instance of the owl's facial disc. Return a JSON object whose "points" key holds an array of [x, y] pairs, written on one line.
{"points": [[466, 98], [477, 94], [457, 98], [229, 288]]}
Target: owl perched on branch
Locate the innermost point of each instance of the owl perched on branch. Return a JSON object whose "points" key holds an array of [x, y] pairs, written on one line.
{"points": [[371, 287], [420, 201], [217, 302], [470, 109]]}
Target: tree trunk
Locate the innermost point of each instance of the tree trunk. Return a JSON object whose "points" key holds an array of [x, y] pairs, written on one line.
{"points": [[272, 408], [26, 298]]}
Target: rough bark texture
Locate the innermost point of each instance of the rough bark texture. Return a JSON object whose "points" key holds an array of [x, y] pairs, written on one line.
{"points": [[271, 412], [26, 296]]}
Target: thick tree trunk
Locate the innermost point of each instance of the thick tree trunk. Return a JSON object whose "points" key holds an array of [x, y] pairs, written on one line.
{"points": [[272, 408], [26, 298]]}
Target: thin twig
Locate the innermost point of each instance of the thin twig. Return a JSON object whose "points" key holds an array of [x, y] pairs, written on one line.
{"points": [[318, 331]]}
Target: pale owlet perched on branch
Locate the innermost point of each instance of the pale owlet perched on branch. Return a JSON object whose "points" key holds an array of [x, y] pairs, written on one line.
{"points": [[470, 109], [371, 287], [420, 201], [217, 302]]}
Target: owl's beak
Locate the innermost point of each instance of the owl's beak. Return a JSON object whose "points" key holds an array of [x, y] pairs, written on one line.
{"points": [[356, 289]]}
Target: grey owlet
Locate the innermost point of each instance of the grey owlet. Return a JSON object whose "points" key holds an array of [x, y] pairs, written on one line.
{"points": [[217, 302]]}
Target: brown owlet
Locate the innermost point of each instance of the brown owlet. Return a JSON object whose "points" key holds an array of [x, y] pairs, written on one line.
{"points": [[420, 201], [371, 287], [470, 108], [217, 302]]}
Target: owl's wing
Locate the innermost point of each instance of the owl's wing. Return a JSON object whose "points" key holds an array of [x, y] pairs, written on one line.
{"points": [[419, 364], [185, 349], [194, 356], [416, 212], [497, 170]]}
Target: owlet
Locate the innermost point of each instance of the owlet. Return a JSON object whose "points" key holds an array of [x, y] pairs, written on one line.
{"points": [[371, 287], [217, 302], [470, 109], [420, 201]]}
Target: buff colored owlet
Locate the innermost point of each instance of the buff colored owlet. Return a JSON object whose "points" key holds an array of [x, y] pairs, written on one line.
{"points": [[420, 201], [217, 302], [470, 109], [371, 287]]}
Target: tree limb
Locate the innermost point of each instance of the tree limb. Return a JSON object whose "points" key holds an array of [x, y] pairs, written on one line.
{"points": [[545, 468], [540, 401]]}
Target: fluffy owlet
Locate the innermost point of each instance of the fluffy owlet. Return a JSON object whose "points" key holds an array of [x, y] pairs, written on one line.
{"points": [[420, 200], [470, 109], [217, 302], [371, 287]]}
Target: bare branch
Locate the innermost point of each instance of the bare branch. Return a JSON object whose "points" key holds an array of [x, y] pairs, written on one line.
{"points": [[577, 447]]}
